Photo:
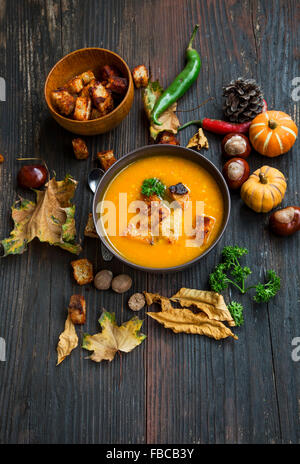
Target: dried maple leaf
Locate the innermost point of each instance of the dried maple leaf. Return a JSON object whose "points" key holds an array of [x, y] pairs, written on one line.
{"points": [[50, 219], [211, 303], [113, 338], [184, 320], [68, 340], [168, 118], [198, 141]]}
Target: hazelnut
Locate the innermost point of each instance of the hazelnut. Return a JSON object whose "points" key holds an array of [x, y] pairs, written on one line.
{"points": [[102, 280], [121, 283], [136, 301]]}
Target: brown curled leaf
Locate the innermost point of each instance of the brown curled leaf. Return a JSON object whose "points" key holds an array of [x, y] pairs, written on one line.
{"points": [[156, 298], [68, 340], [211, 303], [198, 141], [184, 320]]}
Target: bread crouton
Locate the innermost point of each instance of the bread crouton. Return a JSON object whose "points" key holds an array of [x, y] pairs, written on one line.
{"points": [[86, 89], [102, 98], [106, 158], [140, 76], [203, 228], [109, 71], [168, 138], [83, 108], [82, 271], [180, 194], [63, 101], [134, 233], [75, 85], [87, 77], [118, 85], [90, 230], [77, 309], [95, 114], [80, 149]]}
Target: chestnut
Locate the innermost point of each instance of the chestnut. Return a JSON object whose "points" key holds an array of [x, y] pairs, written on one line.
{"points": [[33, 176], [236, 171], [236, 145], [285, 221]]}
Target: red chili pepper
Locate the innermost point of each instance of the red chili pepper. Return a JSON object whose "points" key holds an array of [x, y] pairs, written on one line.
{"points": [[222, 127]]}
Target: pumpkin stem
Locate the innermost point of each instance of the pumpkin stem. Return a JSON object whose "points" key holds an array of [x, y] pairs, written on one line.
{"points": [[273, 124], [262, 178]]}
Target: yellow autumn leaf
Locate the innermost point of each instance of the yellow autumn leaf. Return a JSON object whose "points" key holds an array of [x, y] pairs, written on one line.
{"points": [[68, 340], [51, 218], [168, 119], [198, 141], [113, 338], [184, 320], [211, 303]]}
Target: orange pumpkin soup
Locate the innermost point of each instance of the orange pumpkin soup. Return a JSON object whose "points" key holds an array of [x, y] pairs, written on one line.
{"points": [[186, 184]]}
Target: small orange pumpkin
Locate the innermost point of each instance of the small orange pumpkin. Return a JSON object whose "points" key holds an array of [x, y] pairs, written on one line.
{"points": [[273, 133], [264, 190]]}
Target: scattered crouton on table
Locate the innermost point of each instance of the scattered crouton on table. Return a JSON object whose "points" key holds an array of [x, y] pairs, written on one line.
{"points": [[140, 76], [82, 271], [80, 149], [106, 158]]}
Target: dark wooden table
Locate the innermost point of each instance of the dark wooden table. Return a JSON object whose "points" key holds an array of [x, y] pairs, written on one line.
{"points": [[173, 388]]}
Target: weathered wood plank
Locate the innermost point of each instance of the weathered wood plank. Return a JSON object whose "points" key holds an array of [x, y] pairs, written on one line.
{"points": [[173, 388]]}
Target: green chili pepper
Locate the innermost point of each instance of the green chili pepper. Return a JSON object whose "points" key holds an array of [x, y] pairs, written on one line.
{"points": [[181, 83]]}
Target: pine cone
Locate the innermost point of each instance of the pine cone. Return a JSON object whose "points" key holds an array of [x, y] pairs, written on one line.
{"points": [[243, 100]]}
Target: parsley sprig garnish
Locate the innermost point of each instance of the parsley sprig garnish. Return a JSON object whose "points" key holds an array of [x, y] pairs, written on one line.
{"points": [[153, 186], [230, 272]]}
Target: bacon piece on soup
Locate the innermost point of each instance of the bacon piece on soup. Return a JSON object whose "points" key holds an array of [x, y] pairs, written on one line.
{"points": [[106, 158], [102, 98], [83, 108], [64, 101], [180, 194]]}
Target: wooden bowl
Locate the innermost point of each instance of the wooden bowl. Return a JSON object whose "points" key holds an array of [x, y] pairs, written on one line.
{"points": [[161, 150], [76, 63]]}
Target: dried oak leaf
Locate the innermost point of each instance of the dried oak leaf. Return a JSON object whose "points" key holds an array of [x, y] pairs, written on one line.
{"points": [[211, 303], [50, 219], [168, 118], [184, 320], [156, 298], [198, 141], [68, 340], [113, 338]]}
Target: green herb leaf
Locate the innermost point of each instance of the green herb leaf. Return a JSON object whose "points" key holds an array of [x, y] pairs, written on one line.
{"points": [[236, 310], [153, 186], [264, 292]]}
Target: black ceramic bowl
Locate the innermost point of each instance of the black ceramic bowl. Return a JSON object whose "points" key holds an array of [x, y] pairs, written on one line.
{"points": [[161, 150]]}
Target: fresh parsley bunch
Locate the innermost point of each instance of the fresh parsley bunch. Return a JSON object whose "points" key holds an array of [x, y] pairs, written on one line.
{"points": [[230, 272]]}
